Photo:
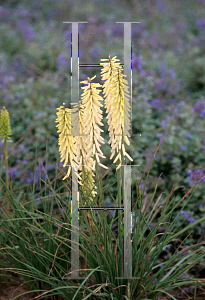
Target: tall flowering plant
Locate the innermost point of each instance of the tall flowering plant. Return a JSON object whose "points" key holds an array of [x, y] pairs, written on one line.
{"points": [[84, 149], [5, 132]]}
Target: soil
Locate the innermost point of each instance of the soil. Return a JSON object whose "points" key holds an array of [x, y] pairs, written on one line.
{"points": [[9, 291]]}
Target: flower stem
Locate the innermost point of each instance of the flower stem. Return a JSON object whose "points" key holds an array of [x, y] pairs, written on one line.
{"points": [[99, 183], [7, 175], [119, 198]]}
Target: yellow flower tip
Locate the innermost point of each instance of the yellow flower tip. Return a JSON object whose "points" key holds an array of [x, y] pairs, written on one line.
{"points": [[5, 129]]}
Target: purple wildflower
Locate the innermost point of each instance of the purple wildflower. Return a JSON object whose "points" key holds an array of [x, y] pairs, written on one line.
{"points": [[160, 6], [154, 281], [191, 220], [199, 108], [183, 148], [185, 214], [4, 12], [156, 104], [62, 61], [201, 23], [172, 73], [27, 30], [163, 123], [137, 63]]}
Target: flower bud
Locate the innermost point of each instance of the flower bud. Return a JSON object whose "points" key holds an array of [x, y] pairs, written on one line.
{"points": [[5, 129]]}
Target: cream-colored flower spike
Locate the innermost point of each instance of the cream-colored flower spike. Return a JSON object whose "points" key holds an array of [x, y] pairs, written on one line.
{"points": [[92, 117], [67, 143], [74, 148], [116, 90], [106, 74], [82, 157]]}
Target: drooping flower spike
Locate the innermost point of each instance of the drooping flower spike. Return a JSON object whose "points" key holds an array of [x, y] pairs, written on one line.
{"points": [[66, 142], [92, 115], [107, 74], [118, 107]]}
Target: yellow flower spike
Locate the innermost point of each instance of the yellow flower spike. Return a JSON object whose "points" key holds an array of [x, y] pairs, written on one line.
{"points": [[89, 119], [5, 128], [106, 74], [89, 181], [92, 109], [66, 143], [81, 158], [116, 92]]}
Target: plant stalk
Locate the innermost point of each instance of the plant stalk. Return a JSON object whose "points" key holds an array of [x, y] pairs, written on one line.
{"points": [[7, 175]]}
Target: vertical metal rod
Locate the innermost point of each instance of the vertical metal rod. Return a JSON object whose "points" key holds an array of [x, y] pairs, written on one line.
{"points": [[74, 132], [127, 223], [74, 81], [127, 169], [74, 225], [127, 71]]}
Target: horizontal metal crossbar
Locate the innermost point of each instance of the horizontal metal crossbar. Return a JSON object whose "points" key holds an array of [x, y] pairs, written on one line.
{"points": [[94, 65], [87, 165], [115, 134], [100, 208]]}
